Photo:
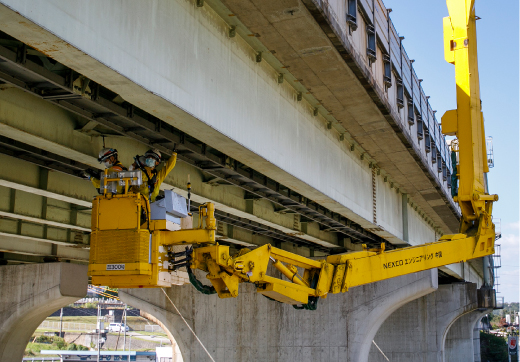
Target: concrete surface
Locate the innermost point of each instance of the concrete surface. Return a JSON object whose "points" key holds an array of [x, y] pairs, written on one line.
{"points": [[427, 328], [312, 39], [253, 118], [252, 328], [29, 294], [476, 332], [461, 343]]}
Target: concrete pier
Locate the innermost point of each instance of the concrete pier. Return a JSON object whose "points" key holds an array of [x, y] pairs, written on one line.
{"points": [[253, 328], [461, 343], [437, 327], [29, 294]]}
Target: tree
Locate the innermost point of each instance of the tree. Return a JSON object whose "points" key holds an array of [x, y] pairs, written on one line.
{"points": [[492, 348]]}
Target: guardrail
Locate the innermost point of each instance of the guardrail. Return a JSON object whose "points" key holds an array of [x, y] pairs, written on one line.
{"points": [[73, 326], [98, 300], [153, 328], [499, 303], [68, 326]]}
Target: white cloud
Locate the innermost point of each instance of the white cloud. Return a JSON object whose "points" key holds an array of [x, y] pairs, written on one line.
{"points": [[511, 226], [510, 241]]}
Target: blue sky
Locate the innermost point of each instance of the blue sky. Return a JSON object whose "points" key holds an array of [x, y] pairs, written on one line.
{"points": [[420, 22]]}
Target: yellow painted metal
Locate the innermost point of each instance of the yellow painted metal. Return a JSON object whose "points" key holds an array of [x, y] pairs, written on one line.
{"points": [[449, 123], [225, 272], [339, 279], [158, 225], [283, 293], [226, 285], [293, 289], [450, 249], [130, 269], [125, 253], [190, 236], [119, 213], [251, 266], [342, 258], [289, 273], [466, 122], [449, 56], [325, 279], [294, 259], [119, 247]]}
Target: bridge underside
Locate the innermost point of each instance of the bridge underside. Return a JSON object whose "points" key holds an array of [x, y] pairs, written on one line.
{"points": [[271, 167], [238, 106]]}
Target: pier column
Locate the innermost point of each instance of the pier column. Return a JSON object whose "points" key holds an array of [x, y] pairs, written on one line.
{"points": [[419, 330], [253, 328], [29, 294]]}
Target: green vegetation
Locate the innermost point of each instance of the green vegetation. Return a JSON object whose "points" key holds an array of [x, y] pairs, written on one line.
{"points": [[43, 342], [493, 348], [509, 308], [76, 347], [90, 306], [499, 315], [39, 341]]}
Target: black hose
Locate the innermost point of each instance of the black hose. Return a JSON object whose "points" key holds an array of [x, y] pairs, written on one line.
{"points": [[204, 289], [454, 186], [312, 304]]}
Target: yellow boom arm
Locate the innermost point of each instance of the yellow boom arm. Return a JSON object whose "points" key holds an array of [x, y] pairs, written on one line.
{"points": [[316, 278], [467, 121]]}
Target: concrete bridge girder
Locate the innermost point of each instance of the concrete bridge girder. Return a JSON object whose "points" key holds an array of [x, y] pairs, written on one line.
{"points": [[350, 199], [19, 108], [251, 327], [314, 40], [29, 294], [26, 217], [62, 187]]}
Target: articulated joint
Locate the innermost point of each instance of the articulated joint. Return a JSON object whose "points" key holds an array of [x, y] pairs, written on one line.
{"points": [[476, 197], [207, 210], [291, 273]]}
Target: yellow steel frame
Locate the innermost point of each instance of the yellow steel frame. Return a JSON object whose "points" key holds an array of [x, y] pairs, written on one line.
{"points": [[337, 273], [117, 240], [467, 121]]}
